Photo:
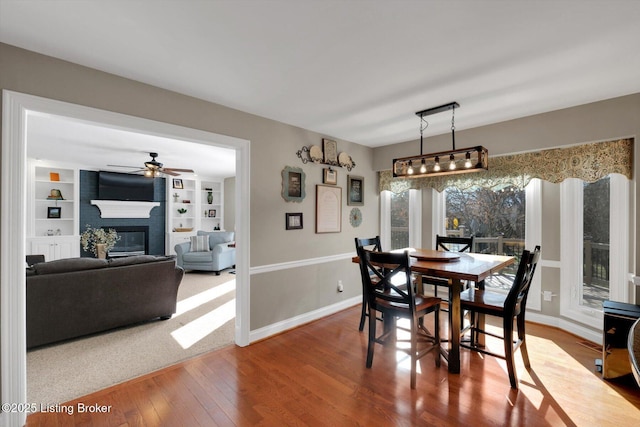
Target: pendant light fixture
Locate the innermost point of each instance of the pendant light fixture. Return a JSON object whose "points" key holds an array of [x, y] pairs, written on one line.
{"points": [[464, 160]]}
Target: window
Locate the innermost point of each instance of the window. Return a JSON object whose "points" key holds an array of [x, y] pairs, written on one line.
{"points": [[496, 219], [595, 246], [399, 220]]}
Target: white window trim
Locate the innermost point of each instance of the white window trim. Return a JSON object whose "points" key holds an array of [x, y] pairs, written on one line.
{"points": [[533, 238], [385, 219], [571, 248]]}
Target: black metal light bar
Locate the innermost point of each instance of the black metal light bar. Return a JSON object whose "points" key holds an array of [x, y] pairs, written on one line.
{"points": [[440, 109]]}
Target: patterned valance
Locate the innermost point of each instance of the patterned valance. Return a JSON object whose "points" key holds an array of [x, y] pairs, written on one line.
{"points": [[589, 162]]}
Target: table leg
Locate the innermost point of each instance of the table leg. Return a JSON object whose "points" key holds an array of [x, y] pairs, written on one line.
{"points": [[481, 338], [454, 324]]}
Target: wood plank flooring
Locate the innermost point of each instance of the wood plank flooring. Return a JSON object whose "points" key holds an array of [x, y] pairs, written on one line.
{"points": [[315, 375]]}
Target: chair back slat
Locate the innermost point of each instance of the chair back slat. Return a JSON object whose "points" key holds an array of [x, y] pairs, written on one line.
{"points": [[517, 298], [387, 277], [371, 242], [454, 244]]}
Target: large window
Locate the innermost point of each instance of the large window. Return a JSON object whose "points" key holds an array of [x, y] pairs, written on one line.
{"points": [[400, 220], [594, 246], [496, 219]]}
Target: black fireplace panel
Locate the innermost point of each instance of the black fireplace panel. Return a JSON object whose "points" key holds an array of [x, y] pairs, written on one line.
{"points": [[134, 240]]}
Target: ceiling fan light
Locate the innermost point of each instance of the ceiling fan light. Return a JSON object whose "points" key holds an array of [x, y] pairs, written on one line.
{"points": [[148, 173]]}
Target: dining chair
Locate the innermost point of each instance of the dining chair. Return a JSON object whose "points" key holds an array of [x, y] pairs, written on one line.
{"points": [[389, 290], [449, 244], [510, 307], [372, 243]]}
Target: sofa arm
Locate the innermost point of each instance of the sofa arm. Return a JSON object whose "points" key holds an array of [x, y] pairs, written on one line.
{"points": [[222, 247], [181, 249]]}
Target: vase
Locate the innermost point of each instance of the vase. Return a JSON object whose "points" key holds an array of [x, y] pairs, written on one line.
{"points": [[209, 197], [101, 250]]}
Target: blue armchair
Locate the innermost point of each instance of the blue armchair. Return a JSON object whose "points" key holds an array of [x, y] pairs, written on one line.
{"points": [[216, 256]]}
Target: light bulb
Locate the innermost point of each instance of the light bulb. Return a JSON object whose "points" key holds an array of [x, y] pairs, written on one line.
{"points": [[436, 167], [467, 161], [423, 167], [410, 170], [452, 162]]}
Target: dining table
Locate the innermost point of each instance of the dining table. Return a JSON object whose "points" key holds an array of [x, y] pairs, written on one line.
{"points": [[456, 268]]}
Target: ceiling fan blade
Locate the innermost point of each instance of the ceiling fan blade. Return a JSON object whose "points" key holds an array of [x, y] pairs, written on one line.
{"points": [[123, 166], [178, 170], [168, 172]]}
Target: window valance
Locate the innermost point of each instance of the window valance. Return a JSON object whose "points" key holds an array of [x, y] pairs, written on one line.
{"points": [[589, 162]]}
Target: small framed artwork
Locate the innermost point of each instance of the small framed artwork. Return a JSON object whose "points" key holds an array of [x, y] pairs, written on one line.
{"points": [[293, 221], [212, 213], [330, 176], [355, 190], [54, 176], [330, 149], [54, 212], [293, 184], [177, 183], [328, 209]]}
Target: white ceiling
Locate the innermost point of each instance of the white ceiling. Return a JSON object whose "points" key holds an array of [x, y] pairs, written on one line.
{"points": [[352, 70]]}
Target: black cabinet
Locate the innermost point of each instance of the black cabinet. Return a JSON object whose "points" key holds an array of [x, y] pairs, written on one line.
{"points": [[618, 319]]}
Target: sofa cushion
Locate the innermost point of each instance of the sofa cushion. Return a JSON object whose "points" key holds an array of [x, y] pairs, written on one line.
{"points": [[69, 264], [217, 237], [137, 259], [200, 244]]}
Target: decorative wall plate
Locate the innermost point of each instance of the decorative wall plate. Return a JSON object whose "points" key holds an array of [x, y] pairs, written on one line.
{"points": [[345, 160], [315, 153], [355, 217]]}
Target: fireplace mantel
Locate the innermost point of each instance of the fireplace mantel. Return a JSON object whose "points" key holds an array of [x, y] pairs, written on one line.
{"points": [[124, 209]]}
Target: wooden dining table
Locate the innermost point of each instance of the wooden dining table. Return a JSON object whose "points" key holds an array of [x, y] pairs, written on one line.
{"points": [[456, 268]]}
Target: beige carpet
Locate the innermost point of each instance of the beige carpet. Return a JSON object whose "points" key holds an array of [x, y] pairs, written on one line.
{"points": [[205, 320]]}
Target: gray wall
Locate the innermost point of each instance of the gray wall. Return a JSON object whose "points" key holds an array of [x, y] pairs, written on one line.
{"points": [[273, 146], [599, 121]]}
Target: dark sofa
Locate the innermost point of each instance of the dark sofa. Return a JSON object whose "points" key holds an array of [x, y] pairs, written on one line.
{"points": [[69, 298]]}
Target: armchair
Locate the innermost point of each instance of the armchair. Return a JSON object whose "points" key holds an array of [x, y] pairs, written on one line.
{"points": [[216, 257]]}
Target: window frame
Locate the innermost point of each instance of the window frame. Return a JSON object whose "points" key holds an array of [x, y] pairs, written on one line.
{"points": [[571, 248]]}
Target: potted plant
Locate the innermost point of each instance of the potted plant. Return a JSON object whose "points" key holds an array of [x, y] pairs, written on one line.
{"points": [[182, 211], [98, 240]]}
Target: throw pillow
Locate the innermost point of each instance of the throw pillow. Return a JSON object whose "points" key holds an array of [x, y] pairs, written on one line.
{"points": [[200, 244]]}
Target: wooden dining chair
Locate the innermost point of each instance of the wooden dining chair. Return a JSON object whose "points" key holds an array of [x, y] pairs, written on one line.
{"points": [[372, 243], [510, 307], [389, 290], [449, 244]]}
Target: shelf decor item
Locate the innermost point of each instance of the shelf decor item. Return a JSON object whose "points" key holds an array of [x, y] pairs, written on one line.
{"points": [[98, 240], [182, 211], [209, 197], [54, 212], [54, 176], [55, 194]]}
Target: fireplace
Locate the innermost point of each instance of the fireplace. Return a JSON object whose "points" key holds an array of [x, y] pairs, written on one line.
{"points": [[134, 240]]}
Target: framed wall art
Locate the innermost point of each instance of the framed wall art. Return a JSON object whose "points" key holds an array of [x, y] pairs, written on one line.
{"points": [[355, 190], [293, 221], [177, 183], [328, 209], [293, 184], [330, 176], [330, 149]]}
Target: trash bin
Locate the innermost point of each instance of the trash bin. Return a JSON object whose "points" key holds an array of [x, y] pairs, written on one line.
{"points": [[618, 319]]}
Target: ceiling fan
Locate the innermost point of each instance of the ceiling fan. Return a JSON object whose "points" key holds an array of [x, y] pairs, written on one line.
{"points": [[154, 168]]}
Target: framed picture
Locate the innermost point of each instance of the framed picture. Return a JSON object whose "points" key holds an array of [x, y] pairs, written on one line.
{"points": [[330, 149], [330, 176], [293, 221], [328, 209], [293, 184], [54, 212], [212, 213], [355, 190], [177, 183]]}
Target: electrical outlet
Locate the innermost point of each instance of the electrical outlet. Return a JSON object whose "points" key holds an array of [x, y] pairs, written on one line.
{"points": [[340, 287]]}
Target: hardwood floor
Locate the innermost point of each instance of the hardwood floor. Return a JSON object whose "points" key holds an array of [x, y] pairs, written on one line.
{"points": [[315, 375]]}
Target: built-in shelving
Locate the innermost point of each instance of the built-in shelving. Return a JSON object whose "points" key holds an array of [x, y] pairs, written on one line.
{"points": [[53, 211]]}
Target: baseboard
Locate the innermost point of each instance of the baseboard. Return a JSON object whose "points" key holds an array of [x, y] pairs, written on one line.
{"points": [[296, 321], [573, 328]]}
